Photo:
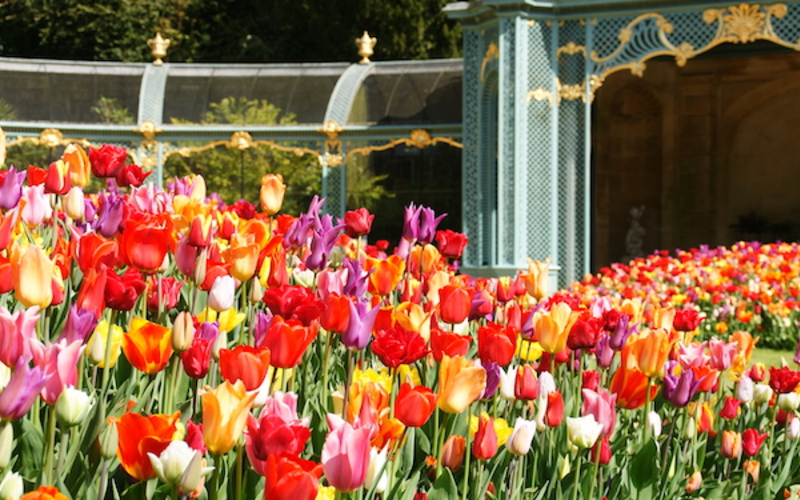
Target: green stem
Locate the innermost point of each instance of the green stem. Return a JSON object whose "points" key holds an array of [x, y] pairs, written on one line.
{"points": [[101, 488], [646, 429], [62, 451], [50, 443], [239, 469], [468, 453], [595, 469], [577, 474], [213, 489], [347, 383], [107, 356]]}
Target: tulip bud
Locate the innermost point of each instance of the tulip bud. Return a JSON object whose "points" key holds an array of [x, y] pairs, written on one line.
{"points": [[182, 332], [694, 482], [304, 278], [583, 431], [789, 401], [256, 291], [200, 269], [762, 393], [109, 440], [172, 465], [12, 486], [453, 452], [654, 422], [97, 351], [757, 372], [793, 429], [72, 406], [507, 382], [222, 293], [753, 468], [6, 445], [519, 443], [691, 428], [221, 342], [565, 468], [744, 389], [74, 203], [377, 462]]}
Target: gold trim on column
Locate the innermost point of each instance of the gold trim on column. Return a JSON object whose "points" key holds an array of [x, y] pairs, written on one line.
{"points": [[570, 48], [49, 137], [493, 51], [333, 145], [149, 156], [242, 141], [418, 138]]}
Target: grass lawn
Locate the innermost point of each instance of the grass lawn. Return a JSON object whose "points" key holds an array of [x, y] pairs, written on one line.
{"points": [[772, 357]]}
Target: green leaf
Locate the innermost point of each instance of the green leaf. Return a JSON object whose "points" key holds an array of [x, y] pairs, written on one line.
{"points": [[444, 488], [641, 472], [411, 488]]}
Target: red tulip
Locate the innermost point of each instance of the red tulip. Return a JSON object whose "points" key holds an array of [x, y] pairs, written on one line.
{"points": [[451, 244], [336, 315], [448, 343], [294, 302], [145, 242], [554, 414], [398, 346], [245, 363], [751, 441], [122, 292], [414, 405], [526, 385], [730, 409], [108, 160], [131, 176], [485, 445], [496, 344], [287, 341], [357, 222], [454, 304], [291, 478]]}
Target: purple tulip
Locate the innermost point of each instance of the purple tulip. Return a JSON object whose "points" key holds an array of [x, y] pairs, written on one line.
{"points": [[322, 241], [427, 230], [359, 331], [679, 390], [411, 222], [109, 216], [22, 390], [356, 284], [603, 352], [80, 324], [208, 331], [262, 325], [492, 380], [11, 188], [619, 337]]}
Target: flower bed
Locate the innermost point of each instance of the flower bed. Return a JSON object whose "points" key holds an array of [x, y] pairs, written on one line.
{"points": [[158, 344]]}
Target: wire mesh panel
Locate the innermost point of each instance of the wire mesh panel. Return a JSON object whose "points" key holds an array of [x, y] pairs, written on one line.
{"points": [[541, 226], [473, 254], [506, 200]]}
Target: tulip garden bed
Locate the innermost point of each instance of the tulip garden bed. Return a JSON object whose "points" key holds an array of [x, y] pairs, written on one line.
{"points": [[159, 344]]}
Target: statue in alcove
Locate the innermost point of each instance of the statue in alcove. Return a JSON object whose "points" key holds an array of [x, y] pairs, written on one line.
{"points": [[634, 239]]}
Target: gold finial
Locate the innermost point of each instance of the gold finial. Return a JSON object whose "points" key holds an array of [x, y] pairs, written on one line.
{"points": [[148, 129], [50, 137], [365, 45], [158, 48]]}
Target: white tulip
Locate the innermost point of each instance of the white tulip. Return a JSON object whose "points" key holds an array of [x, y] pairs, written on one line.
{"points": [[583, 431], [519, 443], [222, 293]]}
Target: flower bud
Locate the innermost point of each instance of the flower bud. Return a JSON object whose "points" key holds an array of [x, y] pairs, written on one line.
{"points": [[583, 431], [694, 482], [691, 428], [182, 332], [221, 295], [12, 486], [109, 440], [74, 203], [221, 342], [762, 393], [519, 443], [173, 462], [377, 461], [654, 423], [507, 380], [256, 292], [72, 406], [193, 476], [744, 389], [453, 452], [6, 445], [789, 401], [793, 429], [304, 278], [200, 269]]}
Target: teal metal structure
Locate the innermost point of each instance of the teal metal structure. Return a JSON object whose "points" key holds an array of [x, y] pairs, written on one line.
{"points": [[531, 69]]}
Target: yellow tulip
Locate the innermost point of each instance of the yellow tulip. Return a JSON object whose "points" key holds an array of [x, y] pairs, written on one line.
{"points": [[225, 411], [272, 191], [96, 353], [460, 383], [32, 273], [80, 169]]}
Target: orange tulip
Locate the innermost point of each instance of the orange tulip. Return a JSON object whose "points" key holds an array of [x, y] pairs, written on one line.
{"points": [[225, 411], [414, 405], [255, 230], [431, 260], [460, 383], [552, 328], [243, 257], [272, 191], [80, 169], [536, 279], [731, 444], [651, 350], [455, 303], [246, 364], [385, 275], [140, 435], [630, 384], [745, 343], [413, 317], [288, 340], [44, 493], [32, 273], [147, 346]]}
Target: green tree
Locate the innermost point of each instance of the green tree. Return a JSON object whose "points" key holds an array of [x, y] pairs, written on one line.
{"points": [[236, 174]]}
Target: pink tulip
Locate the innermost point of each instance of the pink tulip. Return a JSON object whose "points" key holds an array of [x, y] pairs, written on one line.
{"points": [[60, 359], [277, 430], [329, 282], [22, 390], [345, 455], [722, 353], [692, 355], [16, 332], [37, 208], [600, 404]]}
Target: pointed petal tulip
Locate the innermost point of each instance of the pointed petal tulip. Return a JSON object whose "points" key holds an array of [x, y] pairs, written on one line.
{"points": [[460, 384], [651, 350], [22, 390], [225, 411], [345, 455], [16, 333], [359, 327], [246, 364], [147, 346], [32, 272], [61, 360], [11, 188], [454, 304], [601, 406], [629, 384], [77, 161]]}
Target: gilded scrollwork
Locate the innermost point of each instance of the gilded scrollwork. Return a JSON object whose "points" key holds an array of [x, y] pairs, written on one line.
{"points": [[49, 137], [333, 145], [242, 141], [418, 138], [492, 52], [570, 48]]}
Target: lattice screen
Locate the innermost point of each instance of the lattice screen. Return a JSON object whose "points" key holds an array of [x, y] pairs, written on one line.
{"points": [[473, 254]]}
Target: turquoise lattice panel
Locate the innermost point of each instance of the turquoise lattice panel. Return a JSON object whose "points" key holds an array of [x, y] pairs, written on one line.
{"points": [[470, 159], [507, 201]]}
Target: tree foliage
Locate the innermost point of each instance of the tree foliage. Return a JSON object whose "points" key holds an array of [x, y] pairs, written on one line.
{"points": [[221, 30]]}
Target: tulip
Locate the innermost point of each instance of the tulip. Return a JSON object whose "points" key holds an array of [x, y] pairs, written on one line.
{"points": [[398, 346], [752, 440], [173, 463], [385, 275], [603, 447], [12, 486], [140, 435], [590, 379], [454, 304], [722, 354], [414, 405], [679, 390], [287, 341], [145, 243], [554, 414], [651, 350], [107, 161], [32, 272], [359, 327], [793, 429], [11, 188], [245, 364], [57, 180], [536, 279], [526, 386], [377, 477], [731, 444], [448, 343], [44, 493], [789, 401], [496, 344], [730, 408], [601, 406], [131, 176], [358, 222], [485, 444], [222, 293], [17, 331], [745, 389], [74, 204], [762, 393], [225, 411], [752, 468], [552, 328], [6, 445], [583, 431], [507, 383], [694, 482], [453, 452], [22, 390], [272, 191], [96, 347], [520, 441], [345, 455], [451, 244], [274, 433], [291, 478], [460, 383], [147, 346], [72, 406], [654, 423]]}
